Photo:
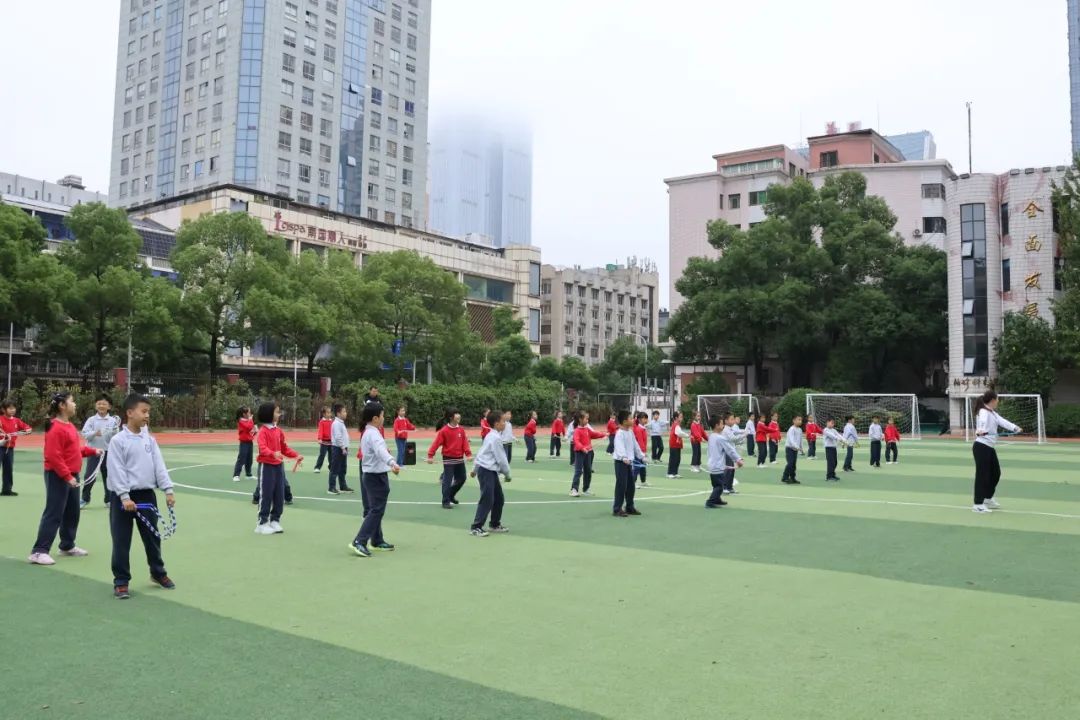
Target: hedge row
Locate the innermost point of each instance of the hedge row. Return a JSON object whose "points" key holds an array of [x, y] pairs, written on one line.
{"points": [[1063, 420]]}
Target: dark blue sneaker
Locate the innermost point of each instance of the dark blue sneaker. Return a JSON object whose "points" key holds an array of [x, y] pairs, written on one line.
{"points": [[359, 549], [384, 546]]}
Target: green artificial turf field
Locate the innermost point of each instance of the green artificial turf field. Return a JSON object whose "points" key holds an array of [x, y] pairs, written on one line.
{"points": [[882, 596]]}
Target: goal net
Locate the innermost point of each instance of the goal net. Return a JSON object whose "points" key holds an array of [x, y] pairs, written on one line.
{"points": [[1025, 411], [712, 405], [902, 409]]}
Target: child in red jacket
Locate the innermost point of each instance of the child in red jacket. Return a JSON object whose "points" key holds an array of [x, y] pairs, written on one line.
{"points": [[612, 430], [272, 453], [892, 440], [402, 428], [64, 451], [10, 429], [530, 438], [583, 454], [641, 434], [245, 431], [697, 436], [455, 451], [558, 429], [812, 431], [761, 437], [485, 427], [323, 436], [774, 437], [675, 445]]}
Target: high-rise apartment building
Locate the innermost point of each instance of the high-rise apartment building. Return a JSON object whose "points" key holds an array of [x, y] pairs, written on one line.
{"points": [[324, 101], [481, 180], [584, 311]]}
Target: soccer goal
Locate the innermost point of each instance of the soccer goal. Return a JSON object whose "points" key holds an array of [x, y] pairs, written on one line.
{"points": [[712, 405], [903, 409], [1023, 410]]}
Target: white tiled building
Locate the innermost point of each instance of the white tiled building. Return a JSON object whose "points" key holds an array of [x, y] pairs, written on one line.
{"points": [[323, 102]]}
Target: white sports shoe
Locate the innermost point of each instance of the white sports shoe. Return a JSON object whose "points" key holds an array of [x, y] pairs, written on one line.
{"points": [[264, 529], [74, 552], [670, 477], [992, 504], [574, 493], [41, 559], [981, 509], [236, 478], [276, 526]]}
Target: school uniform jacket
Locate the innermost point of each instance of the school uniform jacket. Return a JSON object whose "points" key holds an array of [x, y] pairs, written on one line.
{"points": [[892, 434], [492, 455], [794, 438], [339, 434], [722, 453], [245, 430], [612, 428], [558, 427], [454, 444], [402, 427], [135, 463], [530, 428], [323, 434], [875, 432], [697, 433], [10, 426], [376, 458], [774, 432], [484, 428], [108, 425], [812, 432], [64, 450], [627, 448], [272, 440], [641, 435], [583, 437], [761, 432], [675, 437]]}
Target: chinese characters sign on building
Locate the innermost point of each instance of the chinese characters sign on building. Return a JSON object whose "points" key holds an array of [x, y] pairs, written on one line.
{"points": [[317, 234], [973, 382]]}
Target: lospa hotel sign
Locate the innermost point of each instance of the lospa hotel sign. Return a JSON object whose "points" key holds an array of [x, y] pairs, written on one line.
{"points": [[321, 235]]}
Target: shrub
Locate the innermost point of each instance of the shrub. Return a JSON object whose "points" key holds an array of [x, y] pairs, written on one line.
{"points": [[1063, 420], [792, 404]]}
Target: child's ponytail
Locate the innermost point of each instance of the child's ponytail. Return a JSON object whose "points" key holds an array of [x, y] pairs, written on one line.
{"points": [[244, 410], [54, 407], [982, 401]]}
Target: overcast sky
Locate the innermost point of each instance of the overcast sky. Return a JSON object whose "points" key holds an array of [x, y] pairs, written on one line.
{"points": [[623, 93]]}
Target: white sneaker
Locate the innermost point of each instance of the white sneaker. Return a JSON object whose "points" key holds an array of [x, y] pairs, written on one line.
{"points": [[236, 478], [276, 526], [318, 470], [670, 477], [992, 504], [574, 493], [41, 559], [74, 552], [264, 529], [587, 492], [981, 509]]}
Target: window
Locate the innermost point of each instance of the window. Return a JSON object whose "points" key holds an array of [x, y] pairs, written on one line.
{"points": [[934, 225], [223, 7], [1004, 219], [215, 139], [204, 89], [283, 169], [406, 201], [395, 56], [124, 166], [534, 279], [395, 79], [324, 178], [324, 153], [288, 63], [376, 96], [372, 191], [327, 102], [391, 172], [411, 43], [391, 125], [208, 14], [193, 19], [284, 141], [189, 95], [391, 196], [290, 37], [395, 13], [406, 177], [974, 288], [734, 201], [305, 147], [374, 143], [291, 11], [377, 48], [758, 197], [376, 72], [214, 164], [329, 54], [127, 118], [392, 101], [309, 70], [1006, 275], [222, 33], [933, 191], [410, 86], [408, 135], [309, 45], [877, 158], [376, 120], [198, 169], [305, 173], [285, 115], [372, 213], [185, 146], [306, 121], [410, 64], [407, 154], [331, 29], [307, 97], [410, 108], [185, 171], [391, 149], [189, 71], [200, 143], [829, 159], [388, 217], [311, 19], [123, 189], [215, 115], [328, 76], [303, 196], [373, 168], [326, 128], [380, 26], [412, 20]]}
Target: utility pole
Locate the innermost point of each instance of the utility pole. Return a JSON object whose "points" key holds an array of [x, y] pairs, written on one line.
{"points": [[969, 137]]}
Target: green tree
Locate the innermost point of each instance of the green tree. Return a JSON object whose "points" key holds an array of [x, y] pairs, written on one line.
{"points": [[712, 383], [220, 258], [511, 359], [423, 302], [1066, 207], [157, 338], [100, 302], [31, 282], [1025, 353], [626, 361], [506, 322], [576, 374], [548, 369]]}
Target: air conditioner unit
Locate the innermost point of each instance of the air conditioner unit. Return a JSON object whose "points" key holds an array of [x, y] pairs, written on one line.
{"points": [[916, 233], [28, 344]]}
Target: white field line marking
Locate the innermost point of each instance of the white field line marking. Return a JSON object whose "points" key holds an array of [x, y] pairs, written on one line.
{"points": [[578, 501]]}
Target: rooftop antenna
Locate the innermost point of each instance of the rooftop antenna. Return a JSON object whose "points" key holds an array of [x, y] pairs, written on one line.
{"points": [[969, 136]]}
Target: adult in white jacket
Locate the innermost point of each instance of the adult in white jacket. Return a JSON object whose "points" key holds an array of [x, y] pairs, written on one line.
{"points": [[987, 467]]}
